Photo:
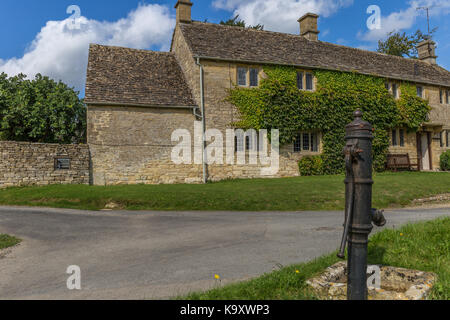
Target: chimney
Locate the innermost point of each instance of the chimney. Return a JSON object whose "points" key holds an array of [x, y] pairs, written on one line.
{"points": [[308, 26], [426, 51], [184, 11]]}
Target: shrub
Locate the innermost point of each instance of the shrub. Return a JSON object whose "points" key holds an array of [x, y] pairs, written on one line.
{"points": [[445, 161], [311, 166]]}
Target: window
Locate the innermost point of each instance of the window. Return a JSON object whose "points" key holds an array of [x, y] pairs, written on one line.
{"points": [[300, 80], [239, 143], [306, 145], [441, 139], [395, 90], [447, 96], [386, 85], [394, 138], [441, 96], [298, 143], [402, 137], [242, 77], [448, 139], [420, 92], [306, 141], [254, 77], [309, 82], [62, 164]]}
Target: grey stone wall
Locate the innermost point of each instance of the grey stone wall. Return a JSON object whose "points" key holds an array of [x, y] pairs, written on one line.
{"points": [[26, 164]]}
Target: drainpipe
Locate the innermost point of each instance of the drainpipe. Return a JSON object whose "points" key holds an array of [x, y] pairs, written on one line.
{"points": [[202, 106]]}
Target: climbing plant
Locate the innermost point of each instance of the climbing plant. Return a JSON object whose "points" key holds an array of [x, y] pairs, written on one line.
{"points": [[278, 104]]}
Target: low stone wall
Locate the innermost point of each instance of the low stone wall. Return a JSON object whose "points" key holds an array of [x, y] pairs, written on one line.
{"points": [[25, 164]]}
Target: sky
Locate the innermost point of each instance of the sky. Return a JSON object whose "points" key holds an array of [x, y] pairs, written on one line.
{"points": [[42, 37]]}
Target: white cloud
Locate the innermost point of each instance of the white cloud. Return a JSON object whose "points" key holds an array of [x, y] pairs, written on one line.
{"points": [[279, 15], [405, 19], [61, 53]]}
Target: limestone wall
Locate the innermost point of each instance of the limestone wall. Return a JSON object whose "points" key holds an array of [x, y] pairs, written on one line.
{"points": [[25, 164]]}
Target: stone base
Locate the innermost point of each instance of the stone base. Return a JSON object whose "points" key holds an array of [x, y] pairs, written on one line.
{"points": [[396, 284]]}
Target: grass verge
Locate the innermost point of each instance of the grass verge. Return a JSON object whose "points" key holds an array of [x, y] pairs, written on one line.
{"points": [[287, 194], [7, 241], [421, 246]]}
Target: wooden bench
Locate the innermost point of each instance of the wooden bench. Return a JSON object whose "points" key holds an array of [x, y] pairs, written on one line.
{"points": [[400, 161]]}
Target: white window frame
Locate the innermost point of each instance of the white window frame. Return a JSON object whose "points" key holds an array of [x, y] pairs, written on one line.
{"points": [[312, 146]]}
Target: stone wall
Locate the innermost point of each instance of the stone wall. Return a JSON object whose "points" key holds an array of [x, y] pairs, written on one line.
{"points": [[25, 164]]}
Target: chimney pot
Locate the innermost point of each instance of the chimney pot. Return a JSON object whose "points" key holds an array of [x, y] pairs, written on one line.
{"points": [[426, 50], [184, 11], [308, 26]]}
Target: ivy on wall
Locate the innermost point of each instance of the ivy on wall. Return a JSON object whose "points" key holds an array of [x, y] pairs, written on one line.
{"points": [[278, 104]]}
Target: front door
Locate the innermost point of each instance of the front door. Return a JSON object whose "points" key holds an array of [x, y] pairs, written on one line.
{"points": [[425, 151]]}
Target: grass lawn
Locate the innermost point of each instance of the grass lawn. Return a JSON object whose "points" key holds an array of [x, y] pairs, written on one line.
{"points": [[287, 194], [423, 246], [7, 241]]}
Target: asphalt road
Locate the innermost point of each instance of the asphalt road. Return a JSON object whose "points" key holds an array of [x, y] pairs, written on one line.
{"points": [[155, 255]]}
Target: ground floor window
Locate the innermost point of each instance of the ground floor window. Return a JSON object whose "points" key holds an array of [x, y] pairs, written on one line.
{"points": [[306, 141], [398, 137]]}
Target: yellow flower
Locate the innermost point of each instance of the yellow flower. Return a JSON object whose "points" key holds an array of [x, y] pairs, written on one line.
{"points": [[297, 271], [216, 276], [401, 234]]}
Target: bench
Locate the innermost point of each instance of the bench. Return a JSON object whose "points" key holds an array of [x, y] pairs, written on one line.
{"points": [[400, 161]]}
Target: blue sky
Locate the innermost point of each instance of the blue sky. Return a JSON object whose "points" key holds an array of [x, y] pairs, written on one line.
{"points": [[36, 36]]}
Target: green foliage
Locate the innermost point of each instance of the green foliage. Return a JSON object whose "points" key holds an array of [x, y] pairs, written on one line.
{"points": [[403, 45], [278, 104], [40, 110], [236, 22], [445, 161], [311, 166]]}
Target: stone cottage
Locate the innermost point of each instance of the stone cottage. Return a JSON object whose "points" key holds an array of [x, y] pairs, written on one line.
{"points": [[137, 98]]}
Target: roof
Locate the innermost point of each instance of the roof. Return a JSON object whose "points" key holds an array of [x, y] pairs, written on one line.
{"points": [[214, 41], [125, 76]]}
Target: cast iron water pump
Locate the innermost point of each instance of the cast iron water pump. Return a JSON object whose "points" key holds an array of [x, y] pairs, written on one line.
{"points": [[359, 214]]}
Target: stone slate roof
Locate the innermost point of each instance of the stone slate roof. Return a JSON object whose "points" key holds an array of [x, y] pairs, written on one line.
{"points": [[135, 77], [247, 45]]}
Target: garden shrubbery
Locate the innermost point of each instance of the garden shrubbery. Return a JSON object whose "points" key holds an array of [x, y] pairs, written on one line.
{"points": [[311, 166], [445, 161]]}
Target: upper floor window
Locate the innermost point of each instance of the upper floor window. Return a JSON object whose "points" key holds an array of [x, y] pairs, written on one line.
{"points": [[307, 141], [254, 77], [420, 91], [441, 96], [394, 88], [300, 80], [242, 77], [447, 97], [247, 77], [394, 138], [309, 82], [305, 81]]}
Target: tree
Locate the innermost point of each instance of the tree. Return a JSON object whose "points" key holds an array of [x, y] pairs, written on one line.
{"points": [[402, 45], [40, 110], [236, 22]]}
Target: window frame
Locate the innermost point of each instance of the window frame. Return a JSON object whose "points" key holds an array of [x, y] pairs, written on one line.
{"points": [[239, 74], [441, 96], [394, 140], [313, 142], [421, 91], [300, 76], [401, 137], [306, 81], [250, 70]]}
